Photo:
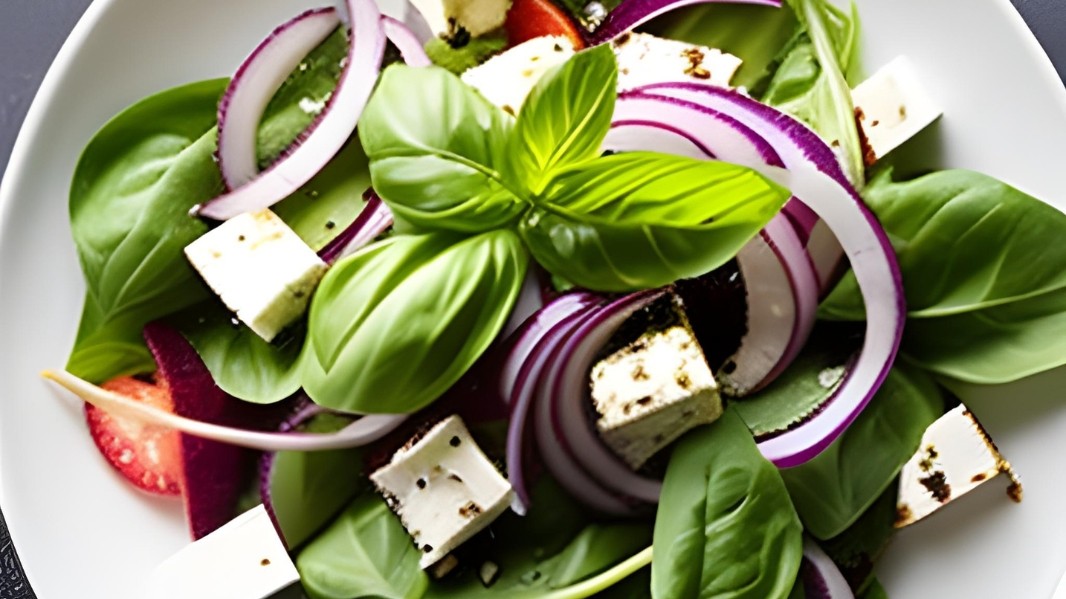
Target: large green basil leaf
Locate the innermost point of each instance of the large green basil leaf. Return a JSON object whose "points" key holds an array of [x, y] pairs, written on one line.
{"points": [[364, 554], [725, 525], [811, 83], [831, 491], [566, 117], [395, 325], [639, 220], [309, 488], [438, 152], [756, 34], [806, 385], [129, 203], [1000, 344], [965, 241]]}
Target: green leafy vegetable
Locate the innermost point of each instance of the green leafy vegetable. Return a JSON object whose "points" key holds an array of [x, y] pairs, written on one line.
{"points": [[382, 318], [129, 203], [307, 489], [639, 220], [364, 554], [725, 525], [831, 491], [458, 60], [857, 549], [811, 84], [566, 117], [437, 152], [874, 591]]}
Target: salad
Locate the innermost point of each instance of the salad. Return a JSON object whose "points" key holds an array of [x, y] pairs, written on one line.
{"points": [[608, 293]]}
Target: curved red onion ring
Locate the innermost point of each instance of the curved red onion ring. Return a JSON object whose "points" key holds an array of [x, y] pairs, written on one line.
{"points": [[534, 344], [529, 303], [568, 382], [821, 577], [816, 178], [374, 220], [631, 14], [251, 90], [406, 42], [361, 432]]}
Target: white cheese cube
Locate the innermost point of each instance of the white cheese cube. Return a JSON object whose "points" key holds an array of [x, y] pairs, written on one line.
{"points": [[443, 488], [654, 390], [245, 559], [507, 78], [892, 107], [644, 59], [448, 18], [955, 457], [260, 269]]}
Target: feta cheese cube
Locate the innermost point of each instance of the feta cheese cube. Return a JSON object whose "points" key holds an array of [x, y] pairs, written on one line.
{"points": [[654, 389], [472, 18], [892, 107], [507, 78], [955, 457], [644, 59], [443, 488], [245, 559], [260, 269]]}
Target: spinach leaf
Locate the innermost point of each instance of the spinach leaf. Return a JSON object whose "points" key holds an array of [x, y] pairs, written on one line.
{"points": [[874, 591], [1000, 344], [566, 116], [857, 549], [805, 386], [965, 241], [129, 203], [458, 60], [365, 553], [756, 34], [640, 220], [831, 491], [596, 549], [438, 152], [810, 82], [308, 489], [382, 319], [725, 525]]}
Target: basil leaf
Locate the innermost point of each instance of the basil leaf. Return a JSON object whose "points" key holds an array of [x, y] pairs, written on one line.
{"points": [[566, 116], [129, 203], [831, 491], [725, 525], [1000, 344], [965, 241], [395, 325], [811, 84], [309, 488], [365, 553], [639, 220], [805, 386], [728, 27], [437, 152]]}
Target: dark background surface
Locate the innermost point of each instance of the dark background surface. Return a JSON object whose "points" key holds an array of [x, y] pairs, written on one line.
{"points": [[31, 32]]}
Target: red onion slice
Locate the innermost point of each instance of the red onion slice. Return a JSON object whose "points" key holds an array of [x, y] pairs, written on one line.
{"points": [[816, 178], [251, 90], [631, 14], [374, 220], [569, 400], [821, 577], [363, 431], [406, 42], [535, 343]]}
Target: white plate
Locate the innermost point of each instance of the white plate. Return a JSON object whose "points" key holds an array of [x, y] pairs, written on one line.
{"points": [[81, 532]]}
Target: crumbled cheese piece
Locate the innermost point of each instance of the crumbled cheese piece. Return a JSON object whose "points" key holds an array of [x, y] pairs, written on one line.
{"points": [[892, 107], [443, 488], [955, 457], [245, 559], [507, 78], [260, 269], [644, 59], [654, 390]]}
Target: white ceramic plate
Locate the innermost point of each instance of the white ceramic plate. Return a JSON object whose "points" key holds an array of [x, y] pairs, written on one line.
{"points": [[81, 532]]}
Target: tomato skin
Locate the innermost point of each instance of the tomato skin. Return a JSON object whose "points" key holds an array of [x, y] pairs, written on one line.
{"points": [[529, 19]]}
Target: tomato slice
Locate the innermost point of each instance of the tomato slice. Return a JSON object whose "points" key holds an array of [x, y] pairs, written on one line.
{"points": [[529, 19]]}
